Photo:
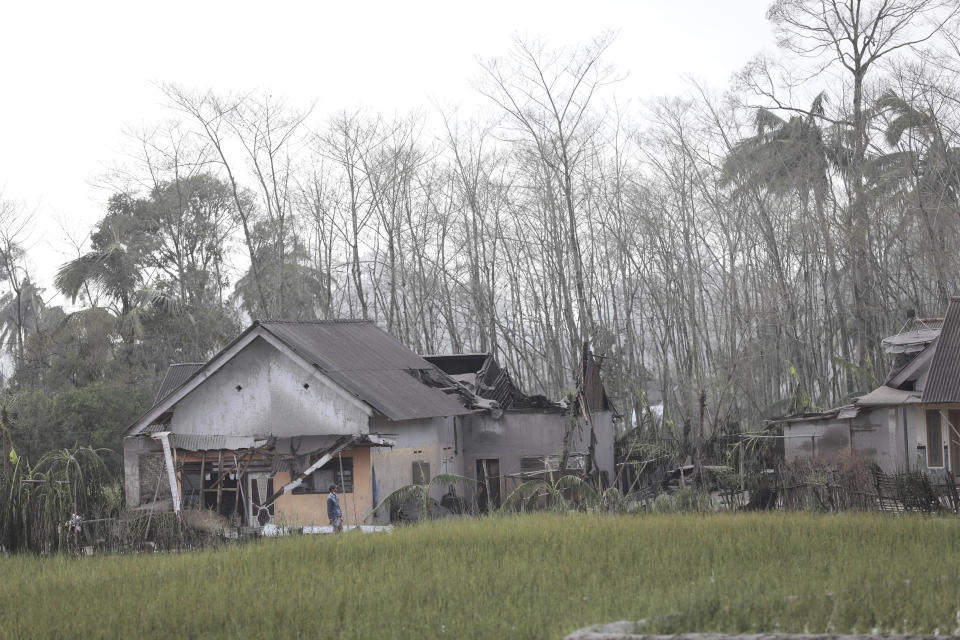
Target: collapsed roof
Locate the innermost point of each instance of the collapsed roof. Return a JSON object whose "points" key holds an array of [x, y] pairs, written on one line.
{"points": [[481, 375]]}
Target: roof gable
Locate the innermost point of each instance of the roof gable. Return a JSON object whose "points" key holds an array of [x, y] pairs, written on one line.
{"points": [[366, 362]]}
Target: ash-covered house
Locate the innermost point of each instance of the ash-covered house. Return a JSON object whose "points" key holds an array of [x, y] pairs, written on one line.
{"points": [[519, 437], [909, 423], [261, 430]]}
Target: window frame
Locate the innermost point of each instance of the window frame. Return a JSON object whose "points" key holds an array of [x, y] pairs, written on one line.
{"points": [[420, 465], [934, 445], [307, 487]]}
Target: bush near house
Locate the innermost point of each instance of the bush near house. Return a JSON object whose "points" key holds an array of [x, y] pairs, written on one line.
{"points": [[531, 576]]}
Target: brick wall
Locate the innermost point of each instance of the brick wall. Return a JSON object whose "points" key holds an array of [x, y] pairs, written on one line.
{"points": [[153, 468]]}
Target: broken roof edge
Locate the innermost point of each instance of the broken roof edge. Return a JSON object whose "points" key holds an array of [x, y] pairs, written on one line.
{"points": [[519, 401], [885, 395], [912, 369], [215, 442], [809, 416], [468, 354], [882, 396]]}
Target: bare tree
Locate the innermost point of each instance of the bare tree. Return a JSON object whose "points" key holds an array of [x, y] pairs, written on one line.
{"points": [[547, 96], [212, 114]]}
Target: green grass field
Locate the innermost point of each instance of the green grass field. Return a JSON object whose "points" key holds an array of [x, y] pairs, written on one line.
{"points": [[519, 577]]}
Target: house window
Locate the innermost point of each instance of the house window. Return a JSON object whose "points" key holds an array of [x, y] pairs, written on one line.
{"points": [[320, 480], [421, 472], [934, 439]]}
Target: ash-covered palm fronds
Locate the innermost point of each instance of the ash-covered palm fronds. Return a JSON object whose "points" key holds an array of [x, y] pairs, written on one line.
{"points": [[39, 499]]}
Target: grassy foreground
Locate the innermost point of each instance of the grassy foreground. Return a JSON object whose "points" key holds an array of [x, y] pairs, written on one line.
{"points": [[521, 577]]}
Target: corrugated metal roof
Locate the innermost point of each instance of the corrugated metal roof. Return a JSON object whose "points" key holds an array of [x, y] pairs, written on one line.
{"points": [[203, 442], [372, 365], [482, 374], [943, 381], [177, 374]]}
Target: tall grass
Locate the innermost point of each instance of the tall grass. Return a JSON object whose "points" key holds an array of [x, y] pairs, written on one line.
{"points": [[532, 576], [35, 500]]}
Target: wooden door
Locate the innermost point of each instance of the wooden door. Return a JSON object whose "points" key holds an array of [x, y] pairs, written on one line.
{"points": [[488, 475]]}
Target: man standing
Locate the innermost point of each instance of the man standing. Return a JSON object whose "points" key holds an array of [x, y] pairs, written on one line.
{"points": [[333, 510]]}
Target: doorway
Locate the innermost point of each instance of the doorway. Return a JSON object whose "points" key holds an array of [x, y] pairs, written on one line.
{"points": [[488, 475]]}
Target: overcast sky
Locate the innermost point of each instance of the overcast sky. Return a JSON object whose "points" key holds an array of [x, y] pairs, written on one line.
{"points": [[76, 75]]}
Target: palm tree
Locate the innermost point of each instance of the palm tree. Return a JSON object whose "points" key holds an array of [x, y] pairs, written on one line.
{"points": [[785, 156], [112, 270], [921, 161], [117, 273], [19, 311], [921, 173], [793, 158]]}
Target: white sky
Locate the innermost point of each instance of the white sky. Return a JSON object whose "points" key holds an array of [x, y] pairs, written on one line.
{"points": [[75, 74]]}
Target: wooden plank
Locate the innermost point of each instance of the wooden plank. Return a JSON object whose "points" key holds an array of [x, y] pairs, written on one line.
{"points": [[236, 489], [203, 495], [219, 479], [164, 438]]}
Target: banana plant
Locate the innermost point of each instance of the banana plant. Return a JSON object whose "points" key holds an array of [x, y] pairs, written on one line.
{"points": [[418, 495]]}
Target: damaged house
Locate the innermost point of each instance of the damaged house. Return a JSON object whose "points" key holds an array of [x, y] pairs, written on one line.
{"points": [[262, 429], [909, 423]]}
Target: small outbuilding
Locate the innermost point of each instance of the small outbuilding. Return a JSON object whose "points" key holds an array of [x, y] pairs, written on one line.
{"points": [[909, 423]]}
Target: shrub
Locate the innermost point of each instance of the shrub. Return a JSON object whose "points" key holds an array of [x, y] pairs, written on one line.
{"points": [[687, 499]]}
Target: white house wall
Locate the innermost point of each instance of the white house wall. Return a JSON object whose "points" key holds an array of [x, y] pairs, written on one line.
{"points": [[874, 433], [528, 434], [261, 392], [453, 445], [874, 437]]}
